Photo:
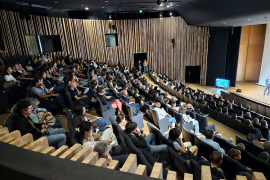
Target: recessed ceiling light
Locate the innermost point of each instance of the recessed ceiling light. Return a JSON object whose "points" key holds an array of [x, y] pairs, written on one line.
{"points": [[86, 8], [102, 7], [106, 1], [168, 6], [82, 5], [176, 5], [55, 2], [161, 4], [120, 9]]}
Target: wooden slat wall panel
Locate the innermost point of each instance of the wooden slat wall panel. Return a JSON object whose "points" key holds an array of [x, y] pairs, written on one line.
{"points": [[86, 38]]}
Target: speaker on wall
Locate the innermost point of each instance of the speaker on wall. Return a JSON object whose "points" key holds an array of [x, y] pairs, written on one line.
{"points": [[239, 90], [173, 40]]}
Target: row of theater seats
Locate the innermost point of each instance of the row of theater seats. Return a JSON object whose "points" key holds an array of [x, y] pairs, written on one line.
{"points": [[224, 119], [255, 106], [17, 59], [249, 156], [76, 153]]}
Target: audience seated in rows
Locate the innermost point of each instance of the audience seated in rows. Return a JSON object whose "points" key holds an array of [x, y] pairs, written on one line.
{"points": [[209, 137], [162, 114]]}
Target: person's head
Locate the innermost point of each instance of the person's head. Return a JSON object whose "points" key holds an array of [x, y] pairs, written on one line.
{"points": [[42, 74], [37, 81], [247, 122], [225, 110], [174, 99], [264, 156], [120, 118], [145, 60], [166, 100], [174, 134], [240, 113], [250, 137], [136, 91], [230, 106], [266, 145], [264, 124], [79, 109], [209, 134], [102, 148], [241, 145], [234, 154], [25, 108], [86, 130], [166, 94], [124, 92], [234, 116], [101, 90], [9, 70], [173, 104], [182, 110], [216, 157], [204, 103], [157, 104], [73, 85], [34, 102], [219, 109], [255, 121], [130, 127]]}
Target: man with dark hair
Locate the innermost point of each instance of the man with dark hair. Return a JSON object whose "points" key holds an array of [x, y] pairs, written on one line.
{"points": [[235, 154], [41, 91], [50, 83], [216, 159], [250, 137], [125, 98], [241, 146], [264, 156], [147, 143], [255, 131], [25, 125], [209, 134]]}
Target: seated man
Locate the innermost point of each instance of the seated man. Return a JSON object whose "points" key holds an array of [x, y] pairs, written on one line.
{"points": [[216, 159], [264, 156], [24, 125], [126, 99], [194, 109], [176, 108], [49, 83], [209, 134], [255, 131], [114, 103], [41, 91], [235, 154], [187, 119], [145, 143], [162, 114], [78, 95]]}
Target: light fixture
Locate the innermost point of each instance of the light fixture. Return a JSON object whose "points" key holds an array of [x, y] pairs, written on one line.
{"points": [[106, 1], [102, 7], [160, 14], [86, 8], [55, 2], [82, 5], [170, 13], [140, 11], [110, 16], [176, 5], [168, 6], [120, 9]]}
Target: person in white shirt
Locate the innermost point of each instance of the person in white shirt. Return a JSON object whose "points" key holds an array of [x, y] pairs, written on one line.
{"points": [[8, 76], [176, 108], [187, 119], [28, 66], [162, 114]]}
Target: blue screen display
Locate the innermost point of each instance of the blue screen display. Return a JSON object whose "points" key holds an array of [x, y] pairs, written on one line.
{"points": [[224, 83]]}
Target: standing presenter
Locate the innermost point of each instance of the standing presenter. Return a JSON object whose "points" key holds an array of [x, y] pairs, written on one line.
{"points": [[267, 86], [145, 63]]}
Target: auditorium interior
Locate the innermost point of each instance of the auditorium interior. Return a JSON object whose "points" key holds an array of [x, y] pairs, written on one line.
{"points": [[173, 90]]}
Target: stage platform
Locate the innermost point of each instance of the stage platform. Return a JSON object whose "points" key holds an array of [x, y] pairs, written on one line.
{"points": [[250, 90]]}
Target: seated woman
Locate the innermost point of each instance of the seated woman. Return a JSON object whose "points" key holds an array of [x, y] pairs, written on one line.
{"points": [[73, 78], [103, 150], [87, 98], [136, 92], [114, 103], [120, 120], [174, 136], [79, 111], [187, 119], [38, 115]]}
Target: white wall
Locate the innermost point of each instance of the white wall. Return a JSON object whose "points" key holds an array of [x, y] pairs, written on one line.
{"points": [[265, 68]]}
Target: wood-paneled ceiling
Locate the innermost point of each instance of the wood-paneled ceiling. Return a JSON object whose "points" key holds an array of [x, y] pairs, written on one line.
{"points": [[216, 13]]}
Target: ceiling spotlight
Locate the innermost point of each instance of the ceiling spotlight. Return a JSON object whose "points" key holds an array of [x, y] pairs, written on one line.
{"points": [[140, 11], [160, 14], [86, 8], [168, 6], [102, 7], [176, 5], [170, 13], [106, 1], [110, 16], [55, 2], [82, 5]]}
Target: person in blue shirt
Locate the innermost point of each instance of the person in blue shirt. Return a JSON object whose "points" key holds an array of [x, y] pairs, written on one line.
{"points": [[139, 66], [267, 86], [209, 134], [124, 97]]}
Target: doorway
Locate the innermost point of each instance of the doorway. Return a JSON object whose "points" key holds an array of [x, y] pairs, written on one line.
{"points": [[193, 74], [139, 57]]}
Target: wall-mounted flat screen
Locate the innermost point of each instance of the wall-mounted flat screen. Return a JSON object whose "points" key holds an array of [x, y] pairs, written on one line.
{"points": [[111, 40], [222, 83], [32, 44], [50, 43]]}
